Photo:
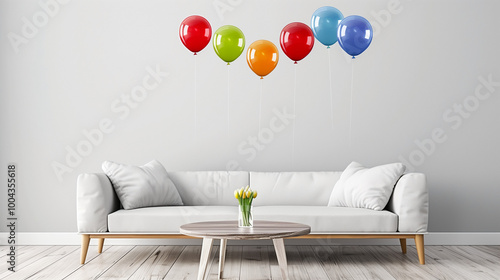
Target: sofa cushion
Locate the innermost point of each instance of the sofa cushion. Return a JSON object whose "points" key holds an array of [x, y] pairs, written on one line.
{"points": [[293, 188], [366, 187], [142, 186], [322, 219], [167, 219], [201, 188]]}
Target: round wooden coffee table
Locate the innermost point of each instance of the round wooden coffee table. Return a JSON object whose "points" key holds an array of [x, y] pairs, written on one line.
{"points": [[225, 230]]}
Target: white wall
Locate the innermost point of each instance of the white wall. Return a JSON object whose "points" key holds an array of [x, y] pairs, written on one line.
{"points": [[425, 60]]}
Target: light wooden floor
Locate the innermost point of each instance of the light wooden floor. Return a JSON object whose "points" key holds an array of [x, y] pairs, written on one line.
{"points": [[255, 262]]}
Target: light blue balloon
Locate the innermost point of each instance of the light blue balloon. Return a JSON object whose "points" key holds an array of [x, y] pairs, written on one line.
{"points": [[324, 24]]}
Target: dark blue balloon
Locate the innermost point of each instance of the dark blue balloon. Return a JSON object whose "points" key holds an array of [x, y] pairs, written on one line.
{"points": [[355, 34], [324, 24]]}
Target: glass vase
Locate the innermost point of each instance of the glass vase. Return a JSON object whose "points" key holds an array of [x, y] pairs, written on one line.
{"points": [[245, 217]]}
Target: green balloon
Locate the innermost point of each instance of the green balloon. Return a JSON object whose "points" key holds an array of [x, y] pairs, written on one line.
{"points": [[229, 42]]}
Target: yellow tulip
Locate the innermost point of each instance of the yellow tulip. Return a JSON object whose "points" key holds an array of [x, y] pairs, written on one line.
{"points": [[248, 194], [241, 192], [236, 194], [254, 194]]}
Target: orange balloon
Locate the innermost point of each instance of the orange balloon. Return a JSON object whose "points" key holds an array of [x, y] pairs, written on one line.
{"points": [[262, 57]]}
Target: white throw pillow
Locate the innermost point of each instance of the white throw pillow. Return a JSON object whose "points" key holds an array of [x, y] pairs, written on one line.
{"points": [[142, 186], [362, 187]]}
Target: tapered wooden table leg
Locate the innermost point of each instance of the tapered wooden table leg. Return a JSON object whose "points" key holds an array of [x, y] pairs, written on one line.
{"points": [[279, 247], [205, 255], [222, 256]]}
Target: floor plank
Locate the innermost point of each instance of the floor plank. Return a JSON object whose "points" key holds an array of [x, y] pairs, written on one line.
{"points": [[364, 265], [296, 268], [42, 260], [356, 263], [97, 266], [441, 261], [473, 253], [399, 265], [131, 262], [257, 262], [186, 266], [64, 266], [25, 255], [4, 250], [493, 250], [158, 264], [232, 265], [433, 267], [326, 256], [482, 264], [307, 260]]}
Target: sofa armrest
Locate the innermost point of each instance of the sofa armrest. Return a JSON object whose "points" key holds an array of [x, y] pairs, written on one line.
{"points": [[96, 199], [410, 201]]}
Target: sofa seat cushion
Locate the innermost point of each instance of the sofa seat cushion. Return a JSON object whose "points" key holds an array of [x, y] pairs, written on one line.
{"points": [[322, 219], [166, 219]]}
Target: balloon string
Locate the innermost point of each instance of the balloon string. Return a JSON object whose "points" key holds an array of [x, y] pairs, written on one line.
{"points": [[294, 108], [331, 90], [350, 110], [195, 95], [228, 99], [260, 102]]}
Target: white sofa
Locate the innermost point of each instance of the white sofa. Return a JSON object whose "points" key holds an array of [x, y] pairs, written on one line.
{"points": [[283, 196]]}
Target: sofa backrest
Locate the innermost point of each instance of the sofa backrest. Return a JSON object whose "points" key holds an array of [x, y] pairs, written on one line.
{"points": [[293, 188], [202, 188]]}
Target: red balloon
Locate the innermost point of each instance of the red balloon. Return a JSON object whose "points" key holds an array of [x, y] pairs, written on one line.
{"points": [[195, 33], [296, 40]]}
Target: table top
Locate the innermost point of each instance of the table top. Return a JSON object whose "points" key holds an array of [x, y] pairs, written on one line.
{"points": [[230, 230]]}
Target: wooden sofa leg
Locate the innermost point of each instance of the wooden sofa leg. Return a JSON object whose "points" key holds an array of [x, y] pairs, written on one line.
{"points": [[101, 244], [402, 241], [419, 243], [85, 247]]}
